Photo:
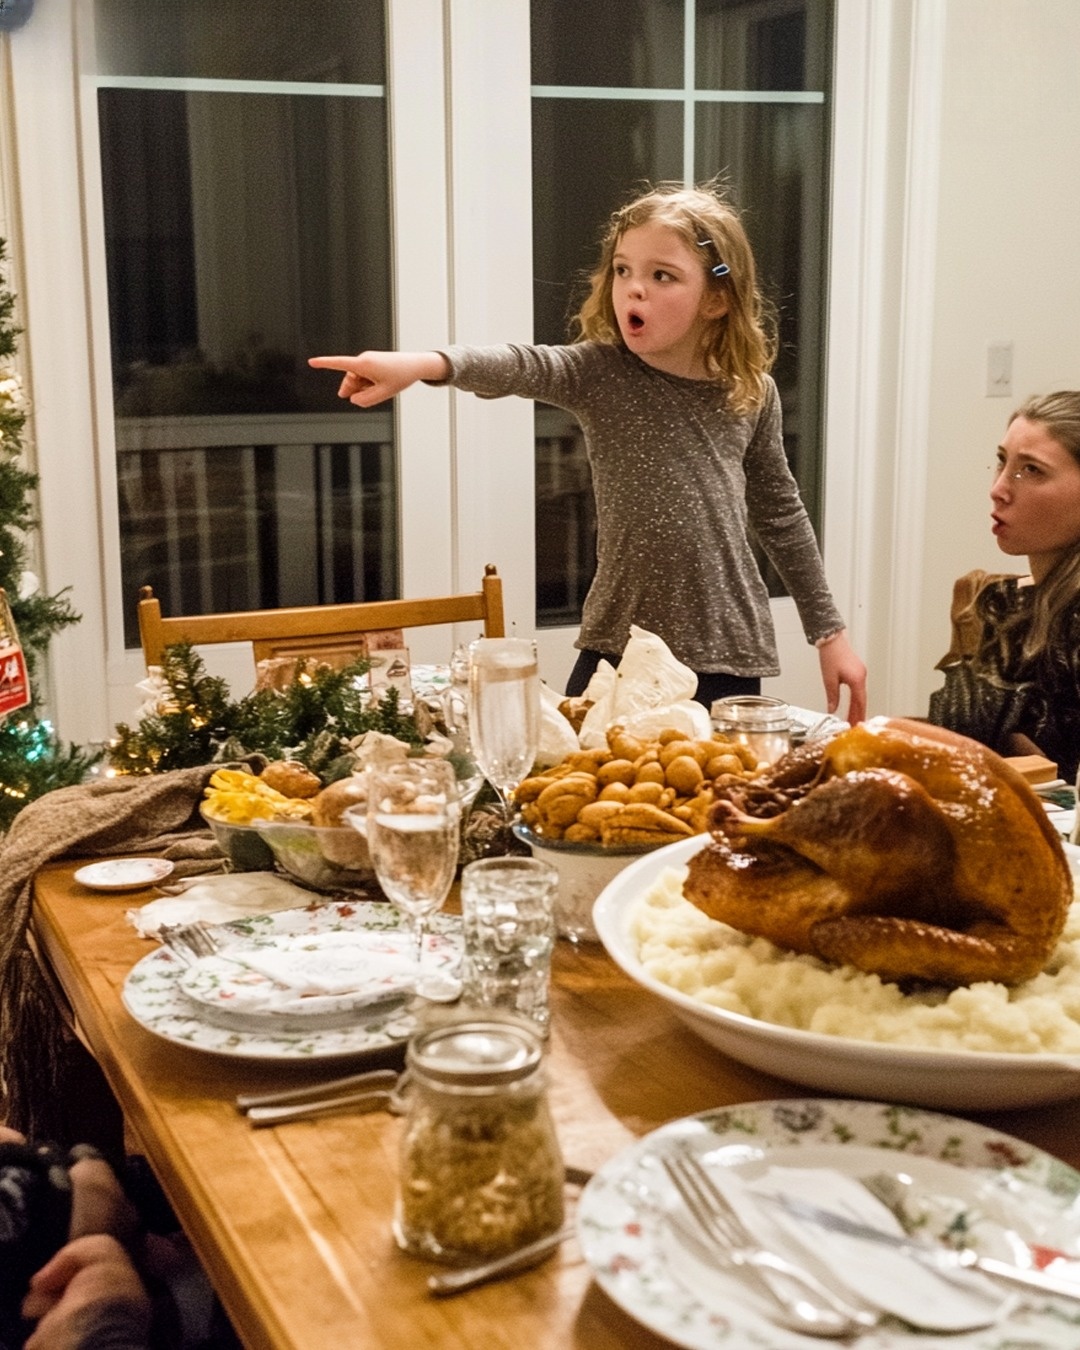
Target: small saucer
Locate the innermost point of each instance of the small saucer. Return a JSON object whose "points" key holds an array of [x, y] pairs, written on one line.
{"points": [[124, 874]]}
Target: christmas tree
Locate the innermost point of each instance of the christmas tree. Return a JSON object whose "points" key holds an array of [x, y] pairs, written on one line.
{"points": [[32, 759]]}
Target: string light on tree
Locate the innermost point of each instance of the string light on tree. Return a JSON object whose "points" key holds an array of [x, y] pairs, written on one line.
{"points": [[32, 760]]}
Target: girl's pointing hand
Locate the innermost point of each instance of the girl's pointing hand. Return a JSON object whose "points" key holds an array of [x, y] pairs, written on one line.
{"points": [[373, 377]]}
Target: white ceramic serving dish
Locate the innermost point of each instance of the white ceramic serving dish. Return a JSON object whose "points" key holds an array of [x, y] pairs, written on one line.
{"points": [[584, 870], [951, 1079]]}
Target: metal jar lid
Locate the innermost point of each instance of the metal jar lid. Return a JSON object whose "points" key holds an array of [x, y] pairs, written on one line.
{"points": [[475, 1054]]}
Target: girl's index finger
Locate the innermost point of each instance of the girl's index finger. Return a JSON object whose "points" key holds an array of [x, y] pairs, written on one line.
{"points": [[332, 362]]}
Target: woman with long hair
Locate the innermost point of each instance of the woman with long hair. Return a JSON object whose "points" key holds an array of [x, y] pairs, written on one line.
{"points": [[1012, 678]]}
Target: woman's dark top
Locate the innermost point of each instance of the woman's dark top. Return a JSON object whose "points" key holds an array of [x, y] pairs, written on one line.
{"points": [[991, 699]]}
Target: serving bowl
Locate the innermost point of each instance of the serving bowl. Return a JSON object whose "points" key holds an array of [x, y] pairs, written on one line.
{"points": [[328, 858], [584, 870], [939, 1078], [243, 845]]}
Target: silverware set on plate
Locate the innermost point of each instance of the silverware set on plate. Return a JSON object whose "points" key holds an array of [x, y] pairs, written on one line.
{"points": [[189, 941], [804, 1303]]}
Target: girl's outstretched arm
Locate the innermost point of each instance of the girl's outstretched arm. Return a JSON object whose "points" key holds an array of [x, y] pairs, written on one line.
{"points": [[373, 377], [840, 665]]}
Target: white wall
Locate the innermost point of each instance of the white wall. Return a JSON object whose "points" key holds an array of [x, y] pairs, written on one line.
{"points": [[1007, 268]]}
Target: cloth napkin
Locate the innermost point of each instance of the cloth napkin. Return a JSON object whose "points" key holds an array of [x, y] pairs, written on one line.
{"points": [[303, 972], [557, 737], [217, 899], [883, 1277], [648, 692]]}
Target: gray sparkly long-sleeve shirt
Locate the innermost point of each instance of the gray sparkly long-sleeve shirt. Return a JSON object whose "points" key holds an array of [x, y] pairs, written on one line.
{"points": [[680, 483]]}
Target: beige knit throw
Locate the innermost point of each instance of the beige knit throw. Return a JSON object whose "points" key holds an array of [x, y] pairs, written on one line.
{"points": [[156, 814]]}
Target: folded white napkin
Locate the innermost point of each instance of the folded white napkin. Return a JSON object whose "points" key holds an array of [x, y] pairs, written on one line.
{"points": [[219, 898], [557, 737], [332, 963], [304, 973], [648, 692], [883, 1277]]}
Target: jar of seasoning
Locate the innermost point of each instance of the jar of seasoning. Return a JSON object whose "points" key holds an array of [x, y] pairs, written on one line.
{"points": [[480, 1168], [761, 723]]}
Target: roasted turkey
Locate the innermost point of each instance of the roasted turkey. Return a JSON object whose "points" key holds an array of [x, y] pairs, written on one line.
{"points": [[895, 847]]}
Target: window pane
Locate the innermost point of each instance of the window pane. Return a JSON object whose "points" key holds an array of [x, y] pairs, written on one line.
{"points": [[763, 44], [340, 41], [232, 220], [586, 155], [590, 154], [621, 43], [777, 155]]}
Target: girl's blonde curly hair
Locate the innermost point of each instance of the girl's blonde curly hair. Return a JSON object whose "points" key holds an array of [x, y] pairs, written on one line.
{"points": [[740, 346]]}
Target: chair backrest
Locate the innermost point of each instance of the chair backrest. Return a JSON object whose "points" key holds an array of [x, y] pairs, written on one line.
{"points": [[307, 629]]}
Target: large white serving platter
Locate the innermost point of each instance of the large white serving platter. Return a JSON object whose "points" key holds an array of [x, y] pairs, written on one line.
{"points": [[952, 1079], [999, 1185]]}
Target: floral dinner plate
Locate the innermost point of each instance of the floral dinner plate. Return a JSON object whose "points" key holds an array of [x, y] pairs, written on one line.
{"points": [[1008, 1198], [155, 996]]}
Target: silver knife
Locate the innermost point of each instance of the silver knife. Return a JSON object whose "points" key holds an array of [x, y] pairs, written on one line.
{"points": [[943, 1259]]}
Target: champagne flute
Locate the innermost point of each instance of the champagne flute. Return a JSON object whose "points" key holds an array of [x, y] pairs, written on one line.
{"points": [[413, 832], [455, 713], [504, 712]]}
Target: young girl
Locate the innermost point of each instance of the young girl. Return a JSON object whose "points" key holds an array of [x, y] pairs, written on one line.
{"points": [[669, 381], [1012, 678]]}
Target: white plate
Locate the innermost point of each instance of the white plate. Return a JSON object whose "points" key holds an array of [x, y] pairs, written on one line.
{"points": [[153, 995], [995, 1183], [953, 1079], [123, 874], [344, 972]]}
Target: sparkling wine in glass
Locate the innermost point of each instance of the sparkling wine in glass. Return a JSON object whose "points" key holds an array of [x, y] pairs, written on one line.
{"points": [[413, 833], [504, 711]]}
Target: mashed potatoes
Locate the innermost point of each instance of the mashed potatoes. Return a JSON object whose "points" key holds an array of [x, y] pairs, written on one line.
{"points": [[681, 947]]}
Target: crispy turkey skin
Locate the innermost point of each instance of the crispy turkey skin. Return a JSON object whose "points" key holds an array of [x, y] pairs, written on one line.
{"points": [[895, 847]]}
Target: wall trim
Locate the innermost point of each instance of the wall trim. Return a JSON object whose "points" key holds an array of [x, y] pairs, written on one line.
{"points": [[916, 327]]}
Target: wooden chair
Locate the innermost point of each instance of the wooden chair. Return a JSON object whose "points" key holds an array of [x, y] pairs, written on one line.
{"points": [[306, 630]]}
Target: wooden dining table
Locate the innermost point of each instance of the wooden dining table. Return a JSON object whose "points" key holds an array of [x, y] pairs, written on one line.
{"points": [[293, 1223]]}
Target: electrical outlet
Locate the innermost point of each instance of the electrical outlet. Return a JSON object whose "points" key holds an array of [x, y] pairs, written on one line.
{"points": [[999, 362]]}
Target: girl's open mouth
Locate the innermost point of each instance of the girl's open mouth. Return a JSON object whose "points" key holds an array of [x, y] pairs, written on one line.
{"points": [[635, 323]]}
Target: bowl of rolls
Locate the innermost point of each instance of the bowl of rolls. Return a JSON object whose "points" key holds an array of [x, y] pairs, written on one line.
{"points": [[593, 813], [286, 816]]}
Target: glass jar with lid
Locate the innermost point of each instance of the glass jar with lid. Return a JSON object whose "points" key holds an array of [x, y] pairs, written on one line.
{"points": [[761, 723], [481, 1172]]}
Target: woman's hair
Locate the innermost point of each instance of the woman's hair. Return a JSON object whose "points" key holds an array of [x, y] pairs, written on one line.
{"points": [[1057, 593], [740, 345]]}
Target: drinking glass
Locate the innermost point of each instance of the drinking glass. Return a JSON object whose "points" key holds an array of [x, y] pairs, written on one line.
{"points": [[504, 711], [413, 832], [509, 928], [455, 712]]}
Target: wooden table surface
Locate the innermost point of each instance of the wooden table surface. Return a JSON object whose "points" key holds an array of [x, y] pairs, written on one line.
{"points": [[293, 1223]]}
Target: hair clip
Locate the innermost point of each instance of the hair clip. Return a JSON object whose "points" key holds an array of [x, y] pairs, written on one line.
{"points": [[721, 269]]}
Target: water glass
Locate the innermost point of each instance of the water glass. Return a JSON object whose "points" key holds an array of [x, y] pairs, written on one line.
{"points": [[413, 829], [509, 931], [504, 711]]}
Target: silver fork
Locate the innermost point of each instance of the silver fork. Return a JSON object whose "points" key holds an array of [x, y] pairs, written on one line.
{"points": [[189, 940], [808, 1305]]}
